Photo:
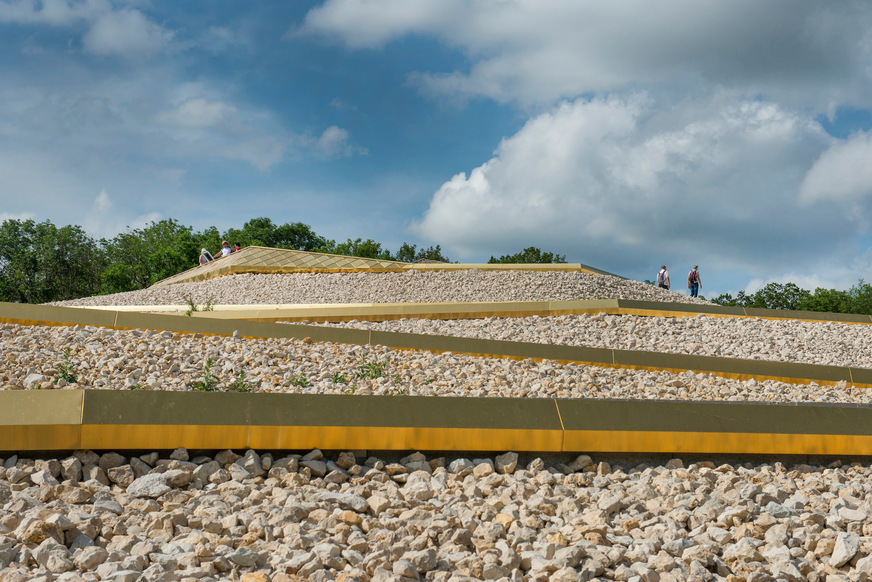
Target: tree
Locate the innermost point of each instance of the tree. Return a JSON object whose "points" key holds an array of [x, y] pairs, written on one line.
{"points": [[40, 262], [262, 232], [357, 248], [144, 256], [530, 255], [410, 253]]}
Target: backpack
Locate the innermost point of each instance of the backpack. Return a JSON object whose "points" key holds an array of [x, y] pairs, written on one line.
{"points": [[661, 279], [694, 277]]}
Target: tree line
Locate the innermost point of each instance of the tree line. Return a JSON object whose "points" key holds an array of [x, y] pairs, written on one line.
{"points": [[857, 299], [41, 262]]}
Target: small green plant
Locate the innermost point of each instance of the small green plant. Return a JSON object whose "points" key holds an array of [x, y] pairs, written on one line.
{"points": [[137, 387], [192, 307], [241, 384], [67, 370], [300, 380], [339, 378], [209, 382], [401, 391], [369, 369], [397, 378], [351, 389]]}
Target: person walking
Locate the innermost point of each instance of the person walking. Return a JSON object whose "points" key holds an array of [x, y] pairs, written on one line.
{"points": [[693, 281], [663, 278]]}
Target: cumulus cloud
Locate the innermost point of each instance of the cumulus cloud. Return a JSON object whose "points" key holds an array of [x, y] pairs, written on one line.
{"points": [[335, 142], [260, 152], [105, 219], [52, 12], [843, 172], [197, 113], [617, 180], [536, 52], [126, 32]]}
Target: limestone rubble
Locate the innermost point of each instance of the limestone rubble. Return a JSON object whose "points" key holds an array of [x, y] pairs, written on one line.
{"points": [[347, 515]]}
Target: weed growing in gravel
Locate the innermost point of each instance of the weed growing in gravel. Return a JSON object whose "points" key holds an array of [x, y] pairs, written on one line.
{"points": [[209, 383], [192, 307], [137, 387], [66, 370], [300, 380], [368, 369], [352, 389], [339, 378], [241, 384]]}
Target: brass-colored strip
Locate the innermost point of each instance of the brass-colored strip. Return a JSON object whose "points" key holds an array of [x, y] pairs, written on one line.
{"points": [[626, 441]]}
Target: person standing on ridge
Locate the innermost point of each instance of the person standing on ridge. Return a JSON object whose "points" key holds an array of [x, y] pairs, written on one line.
{"points": [[663, 278], [693, 281]]}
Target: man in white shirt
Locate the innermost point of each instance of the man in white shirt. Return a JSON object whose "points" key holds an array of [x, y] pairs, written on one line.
{"points": [[663, 278]]}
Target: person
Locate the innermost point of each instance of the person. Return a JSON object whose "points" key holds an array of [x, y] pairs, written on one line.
{"points": [[236, 247], [225, 249], [693, 281], [663, 278], [206, 257]]}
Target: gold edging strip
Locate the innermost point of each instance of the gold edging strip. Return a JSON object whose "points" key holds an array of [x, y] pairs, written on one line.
{"points": [[625, 441]]}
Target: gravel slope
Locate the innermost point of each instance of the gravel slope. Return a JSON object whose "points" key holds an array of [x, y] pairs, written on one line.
{"points": [[807, 342], [255, 517], [410, 287]]}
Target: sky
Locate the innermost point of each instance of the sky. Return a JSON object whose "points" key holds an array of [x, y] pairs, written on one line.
{"points": [[623, 135]]}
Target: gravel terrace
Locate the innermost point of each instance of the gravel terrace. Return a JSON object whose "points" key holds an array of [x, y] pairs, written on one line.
{"points": [[409, 287], [259, 516]]}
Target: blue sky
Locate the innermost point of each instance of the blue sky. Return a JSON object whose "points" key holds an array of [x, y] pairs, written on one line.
{"points": [[624, 135]]}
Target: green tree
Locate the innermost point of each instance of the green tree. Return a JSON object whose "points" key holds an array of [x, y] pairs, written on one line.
{"points": [[530, 255], [263, 232], [357, 248], [410, 253], [143, 256], [40, 262]]}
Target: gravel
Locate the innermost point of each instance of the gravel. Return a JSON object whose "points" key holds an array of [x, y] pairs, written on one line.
{"points": [[259, 516], [807, 342], [408, 287]]}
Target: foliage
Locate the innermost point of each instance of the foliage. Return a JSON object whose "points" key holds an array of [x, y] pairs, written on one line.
{"points": [[192, 307], [301, 381], [143, 256], [66, 370], [40, 262], [357, 248], [857, 299], [368, 369], [208, 382], [339, 378], [530, 255], [410, 253], [240, 384]]}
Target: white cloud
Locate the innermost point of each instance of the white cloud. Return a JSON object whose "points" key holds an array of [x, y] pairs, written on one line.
{"points": [[537, 53], [613, 181], [127, 33], [104, 219], [260, 152], [197, 113], [4, 216], [334, 142], [843, 172], [52, 12]]}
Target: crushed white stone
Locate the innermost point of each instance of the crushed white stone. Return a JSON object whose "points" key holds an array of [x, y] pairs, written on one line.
{"points": [[409, 287], [256, 516], [807, 342]]}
